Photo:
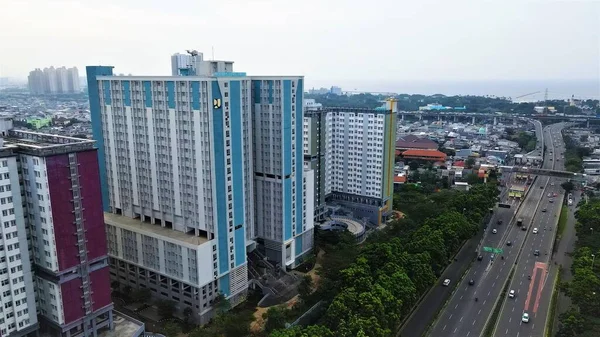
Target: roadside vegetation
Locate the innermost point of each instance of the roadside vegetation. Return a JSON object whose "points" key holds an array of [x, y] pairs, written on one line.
{"points": [[526, 140], [583, 318], [574, 154], [369, 290], [562, 221]]}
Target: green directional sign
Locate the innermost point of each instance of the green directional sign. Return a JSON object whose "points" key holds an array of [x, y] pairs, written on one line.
{"points": [[492, 250]]}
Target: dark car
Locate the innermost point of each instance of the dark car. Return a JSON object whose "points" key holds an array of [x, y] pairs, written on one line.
{"points": [[508, 243], [524, 228], [499, 222], [544, 210], [536, 253], [471, 282], [480, 257]]}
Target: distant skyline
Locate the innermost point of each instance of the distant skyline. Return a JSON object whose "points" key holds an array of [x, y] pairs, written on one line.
{"points": [[349, 43]]}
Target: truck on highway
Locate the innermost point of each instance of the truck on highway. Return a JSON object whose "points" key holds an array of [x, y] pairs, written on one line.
{"points": [[519, 222]]}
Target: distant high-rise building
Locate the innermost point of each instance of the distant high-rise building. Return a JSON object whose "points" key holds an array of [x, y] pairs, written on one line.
{"points": [[36, 82], [360, 159], [73, 75], [214, 166], [55, 210], [183, 61], [314, 151], [335, 90], [54, 81]]}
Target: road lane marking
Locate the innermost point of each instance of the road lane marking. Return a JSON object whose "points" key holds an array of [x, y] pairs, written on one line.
{"points": [[474, 322], [444, 328], [489, 292], [468, 333], [461, 297], [506, 333], [450, 316], [455, 330], [540, 287], [484, 302], [479, 312], [456, 306], [461, 319]]}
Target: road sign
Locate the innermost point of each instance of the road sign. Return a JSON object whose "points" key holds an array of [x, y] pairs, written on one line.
{"points": [[492, 250]]}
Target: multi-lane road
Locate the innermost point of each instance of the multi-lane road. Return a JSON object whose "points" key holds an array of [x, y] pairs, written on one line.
{"points": [[469, 309], [531, 285]]}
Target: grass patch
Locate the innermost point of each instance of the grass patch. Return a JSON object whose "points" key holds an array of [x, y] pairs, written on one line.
{"points": [[553, 304], [491, 325], [562, 221]]}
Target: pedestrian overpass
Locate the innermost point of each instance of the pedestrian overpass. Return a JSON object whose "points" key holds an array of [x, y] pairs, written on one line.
{"points": [[544, 172]]}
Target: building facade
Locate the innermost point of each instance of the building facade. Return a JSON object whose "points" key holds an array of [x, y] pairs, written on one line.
{"points": [[179, 171], [283, 228], [62, 214], [360, 160], [313, 135]]}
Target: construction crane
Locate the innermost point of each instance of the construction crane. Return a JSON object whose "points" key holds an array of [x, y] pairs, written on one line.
{"points": [[531, 93]]}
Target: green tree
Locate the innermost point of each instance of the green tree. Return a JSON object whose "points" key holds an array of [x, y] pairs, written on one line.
{"points": [[571, 324], [171, 329], [275, 318], [470, 163], [221, 304], [568, 186], [187, 314], [305, 288], [310, 331], [141, 295], [473, 178], [413, 165], [165, 308]]}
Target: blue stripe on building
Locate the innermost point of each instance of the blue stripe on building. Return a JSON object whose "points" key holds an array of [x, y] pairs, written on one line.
{"points": [[299, 156], [95, 112], [126, 93], [225, 285], [298, 245], [287, 209], [237, 164], [195, 95], [287, 127], [221, 186], [148, 94], [270, 91], [171, 94], [257, 93], [287, 160], [106, 89]]}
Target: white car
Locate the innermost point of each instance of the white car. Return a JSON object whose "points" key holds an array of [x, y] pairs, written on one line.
{"points": [[525, 318], [446, 282], [494, 231], [535, 231], [511, 294]]}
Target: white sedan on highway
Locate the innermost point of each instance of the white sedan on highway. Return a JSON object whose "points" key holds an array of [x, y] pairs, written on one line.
{"points": [[535, 231]]}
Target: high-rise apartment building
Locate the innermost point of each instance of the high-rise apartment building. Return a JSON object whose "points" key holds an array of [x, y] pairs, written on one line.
{"points": [[183, 159], [360, 160], [54, 81], [313, 135], [56, 211], [284, 227]]}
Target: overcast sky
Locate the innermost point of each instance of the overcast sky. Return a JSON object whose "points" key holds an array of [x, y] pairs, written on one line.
{"points": [[328, 41]]}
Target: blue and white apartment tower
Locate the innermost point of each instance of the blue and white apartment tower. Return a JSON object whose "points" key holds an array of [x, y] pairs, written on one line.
{"points": [[196, 170]]}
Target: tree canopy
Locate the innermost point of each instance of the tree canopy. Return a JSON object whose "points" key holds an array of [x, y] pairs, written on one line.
{"points": [[369, 290]]}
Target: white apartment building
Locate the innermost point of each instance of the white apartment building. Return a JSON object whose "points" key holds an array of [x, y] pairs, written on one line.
{"points": [[359, 160], [184, 160], [18, 315]]}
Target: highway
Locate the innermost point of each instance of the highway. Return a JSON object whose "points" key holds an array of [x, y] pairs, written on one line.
{"points": [[533, 296], [463, 316]]}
